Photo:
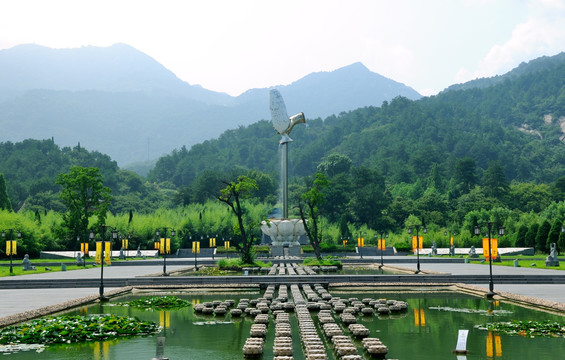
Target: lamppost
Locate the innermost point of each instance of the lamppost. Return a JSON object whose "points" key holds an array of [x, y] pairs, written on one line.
{"points": [[102, 258], [226, 247], [382, 244], [83, 249], [424, 230], [165, 247], [490, 293], [196, 250], [11, 249]]}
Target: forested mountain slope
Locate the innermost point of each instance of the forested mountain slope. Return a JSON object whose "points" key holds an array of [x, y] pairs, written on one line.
{"points": [[517, 122]]}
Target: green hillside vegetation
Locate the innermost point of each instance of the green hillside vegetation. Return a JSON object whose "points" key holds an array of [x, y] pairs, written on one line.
{"points": [[450, 162], [30, 168]]}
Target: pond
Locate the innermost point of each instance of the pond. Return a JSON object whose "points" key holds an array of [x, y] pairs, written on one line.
{"points": [[428, 330]]}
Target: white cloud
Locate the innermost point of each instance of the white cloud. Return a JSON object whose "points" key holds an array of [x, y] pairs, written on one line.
{"points": [[542, 34]]}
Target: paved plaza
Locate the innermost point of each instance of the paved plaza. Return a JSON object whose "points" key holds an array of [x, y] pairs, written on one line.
{"points": [[16, 301]]}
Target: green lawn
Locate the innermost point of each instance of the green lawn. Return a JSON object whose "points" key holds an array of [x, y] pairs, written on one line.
{"points": [[18, 269], [539, 264]]}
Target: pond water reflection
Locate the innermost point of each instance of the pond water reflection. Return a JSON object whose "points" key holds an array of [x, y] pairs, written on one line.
{"points": [[428, 330]]}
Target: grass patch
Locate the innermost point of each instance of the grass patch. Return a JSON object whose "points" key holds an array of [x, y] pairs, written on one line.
{"points": [[18, 270], [237, 265], [327, 261], [539, 264]]}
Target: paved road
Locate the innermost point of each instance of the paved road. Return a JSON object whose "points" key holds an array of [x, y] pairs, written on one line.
{"points": [[16, 301]]}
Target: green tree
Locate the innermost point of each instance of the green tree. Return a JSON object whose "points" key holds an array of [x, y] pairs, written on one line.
{"points": [[520, 240], [530, 239], [368, 199], [308, 206], [334, 164], [494, 180], [85, 196], [541, 236], [344, 232], [561, 242], [232, 195], [5, 203], [554, 232], [465, 174]]}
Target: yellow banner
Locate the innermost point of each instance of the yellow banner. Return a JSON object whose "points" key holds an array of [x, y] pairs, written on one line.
{"points": [[165, 245], [493, 248], [98, 252], [420, 243], [196, 247], [84, 248], [361, 242], [451, 241], [212, 242], [125, 243], [226, 244], [108, 253], [382, 244], [11, 247]]}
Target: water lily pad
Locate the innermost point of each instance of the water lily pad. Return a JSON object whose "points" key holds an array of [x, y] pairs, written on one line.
{"points": [[68, 329]]}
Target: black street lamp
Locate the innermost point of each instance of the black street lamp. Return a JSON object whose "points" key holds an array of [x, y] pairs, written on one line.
{"points": [[424, 230], [11, 248], [381, 244], [102, 258], [491, 292], [196, 250], [166, 247]]}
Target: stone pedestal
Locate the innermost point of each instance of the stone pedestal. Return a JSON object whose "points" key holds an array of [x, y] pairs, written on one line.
{"points": [[277, 250], [295, 251]]}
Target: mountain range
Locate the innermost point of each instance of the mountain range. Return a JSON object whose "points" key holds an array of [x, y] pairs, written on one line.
{"points": [[121, 102]]}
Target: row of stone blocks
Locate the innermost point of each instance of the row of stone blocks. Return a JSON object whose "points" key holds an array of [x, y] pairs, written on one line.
{"points": [[343, 345], [216, 307], [282, 348]]}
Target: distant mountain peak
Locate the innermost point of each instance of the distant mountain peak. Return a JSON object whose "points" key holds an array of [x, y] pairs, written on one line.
{"points": [[63, 91]]}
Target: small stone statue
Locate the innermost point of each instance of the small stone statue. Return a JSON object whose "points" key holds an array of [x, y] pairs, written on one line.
{"points": [[472, 252], [434, 248], [138, 251], [552, 260], [27, 263], [452, 250], [79, 259], [122, 256]]}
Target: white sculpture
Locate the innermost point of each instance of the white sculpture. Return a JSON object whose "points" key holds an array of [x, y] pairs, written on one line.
{"points": [[283, 231]]}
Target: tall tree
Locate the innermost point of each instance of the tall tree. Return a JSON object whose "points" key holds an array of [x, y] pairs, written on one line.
{"points": [[232, 195], [530, 239], [520, 239], [308, 206], [85, 196], [5, 203], [541, 236], [368, 198], [494, 180], [465, 175], [554, 232]]}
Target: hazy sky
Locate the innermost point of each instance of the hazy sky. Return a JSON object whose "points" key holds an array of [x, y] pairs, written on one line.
{"points": [[235, 45]]}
